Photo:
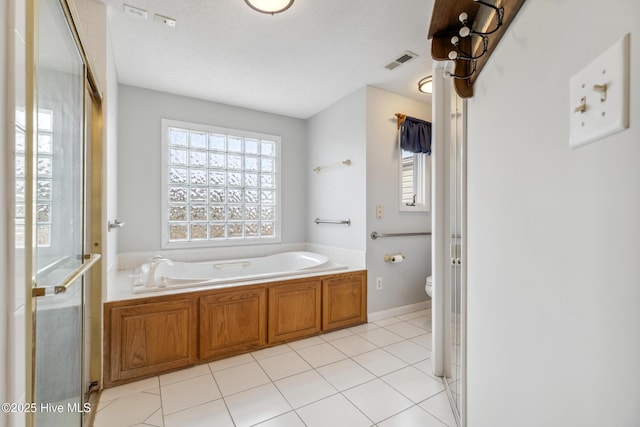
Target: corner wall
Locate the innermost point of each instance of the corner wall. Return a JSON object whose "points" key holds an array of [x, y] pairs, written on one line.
{"points": [[403, 284], [362, 127], [553, 232], [334, 135]]}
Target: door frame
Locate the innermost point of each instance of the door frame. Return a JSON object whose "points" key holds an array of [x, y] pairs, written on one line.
{"points": [[94, 218], [443, 108]]}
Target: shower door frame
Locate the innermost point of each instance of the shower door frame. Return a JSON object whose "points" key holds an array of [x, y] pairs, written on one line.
{"points": [[448, 123], [92, 199]]}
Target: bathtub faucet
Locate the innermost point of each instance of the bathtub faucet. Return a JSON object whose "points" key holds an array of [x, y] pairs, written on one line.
{"points": [[155, 263]]}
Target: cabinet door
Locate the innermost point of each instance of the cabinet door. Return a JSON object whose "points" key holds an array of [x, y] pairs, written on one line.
{"points": [[151, 338], [232, 322], [294, 311], [344, 301]]}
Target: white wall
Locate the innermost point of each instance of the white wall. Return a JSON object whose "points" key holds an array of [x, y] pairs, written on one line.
{"points": [[5, 27], [111, 125], [12, 259], [361, 127], [336, 134], [553, 233], [93, 19], [403, 283], [139, 114]]}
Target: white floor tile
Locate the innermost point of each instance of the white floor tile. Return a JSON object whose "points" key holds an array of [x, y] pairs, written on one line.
{"points": [[320, 355], [156, 419], [240, 378], [426, 366], [414, 416], [379, 362], [290, 419], [334, 411], [189, 393], [405, 330], [423, 322], [307, 342], [423, 340], [345, 374], [284, 365], [185, 374], [440, 407], [271, 351], [230, 362], [362, 328], [353, 345], [305, 388], [408, 351], [131, 388], [336, 335], [377, 400], [381, 337], [309, 375], [209, 414], [388, 321], [256, 405], [413, 383], [128, 410], [412, 315]]}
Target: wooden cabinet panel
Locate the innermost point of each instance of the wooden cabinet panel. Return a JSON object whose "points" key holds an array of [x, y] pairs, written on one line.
{"points": [[154, 335], [294, 311], [148, 338], [344, 301], [232, 322]]}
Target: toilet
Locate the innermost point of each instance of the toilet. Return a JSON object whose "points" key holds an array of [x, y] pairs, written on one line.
{"points": [[429, 286]]}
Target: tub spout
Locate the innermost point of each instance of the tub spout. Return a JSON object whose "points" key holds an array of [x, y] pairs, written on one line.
{"points": [[152, 281]]}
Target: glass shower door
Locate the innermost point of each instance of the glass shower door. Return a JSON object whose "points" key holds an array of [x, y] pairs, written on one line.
{"points": [[56, 221], [457, 284]]}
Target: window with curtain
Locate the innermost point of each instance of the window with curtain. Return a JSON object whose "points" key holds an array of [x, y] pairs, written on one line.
{"points": [[415, 148]]}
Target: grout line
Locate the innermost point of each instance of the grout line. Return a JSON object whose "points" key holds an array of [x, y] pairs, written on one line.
{"points": [[273, 382]]}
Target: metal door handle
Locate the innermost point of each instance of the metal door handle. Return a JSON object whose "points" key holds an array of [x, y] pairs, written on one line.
{"points": [[89, 261]]}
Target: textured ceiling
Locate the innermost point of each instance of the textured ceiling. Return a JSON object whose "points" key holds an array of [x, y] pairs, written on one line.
{"points": [[296, 63]]}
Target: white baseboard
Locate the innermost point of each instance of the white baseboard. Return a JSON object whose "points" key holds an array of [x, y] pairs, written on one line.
{"points": [[398, 311]]}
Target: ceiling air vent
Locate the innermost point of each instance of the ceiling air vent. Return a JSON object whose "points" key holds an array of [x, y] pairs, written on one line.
{"points": [[402, 59]]}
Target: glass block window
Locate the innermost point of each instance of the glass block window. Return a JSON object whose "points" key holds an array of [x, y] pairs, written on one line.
{"points": [[220, 186], [44, 174]]}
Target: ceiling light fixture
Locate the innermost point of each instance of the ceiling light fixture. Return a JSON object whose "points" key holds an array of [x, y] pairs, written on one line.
{"points": [[425, 85], [269, 6]]}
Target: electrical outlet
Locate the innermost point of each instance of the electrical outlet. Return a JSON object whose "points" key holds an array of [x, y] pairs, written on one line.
{"points": [[378, 283]]}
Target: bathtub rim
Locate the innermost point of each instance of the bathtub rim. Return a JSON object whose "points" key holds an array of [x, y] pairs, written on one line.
{"points": [[121, 288]]}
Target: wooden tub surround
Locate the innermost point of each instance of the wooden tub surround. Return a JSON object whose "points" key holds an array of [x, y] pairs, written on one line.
{"points": [[148, 336]]}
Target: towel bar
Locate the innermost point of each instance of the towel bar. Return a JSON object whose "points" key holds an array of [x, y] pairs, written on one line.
{"points": [[332, 221], [375, 234]]}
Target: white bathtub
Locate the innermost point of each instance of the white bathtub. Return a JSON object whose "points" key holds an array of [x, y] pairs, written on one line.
{"points": [[215, 274]]}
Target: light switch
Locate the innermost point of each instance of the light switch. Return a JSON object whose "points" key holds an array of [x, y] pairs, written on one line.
{"points": [[379, 212], [599, 96]]}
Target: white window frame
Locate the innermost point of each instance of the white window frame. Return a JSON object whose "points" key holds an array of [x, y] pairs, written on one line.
{"points": [[421, 182], [227, 241]]}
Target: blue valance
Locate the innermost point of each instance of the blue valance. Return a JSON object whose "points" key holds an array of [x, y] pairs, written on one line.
{"points": [[415, 136]]}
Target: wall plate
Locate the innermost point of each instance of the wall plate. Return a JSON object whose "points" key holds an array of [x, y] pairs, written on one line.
{"points": [[599, 96]]}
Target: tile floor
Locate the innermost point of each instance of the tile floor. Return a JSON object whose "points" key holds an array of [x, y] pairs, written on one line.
{"points": [[376, 374]]}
